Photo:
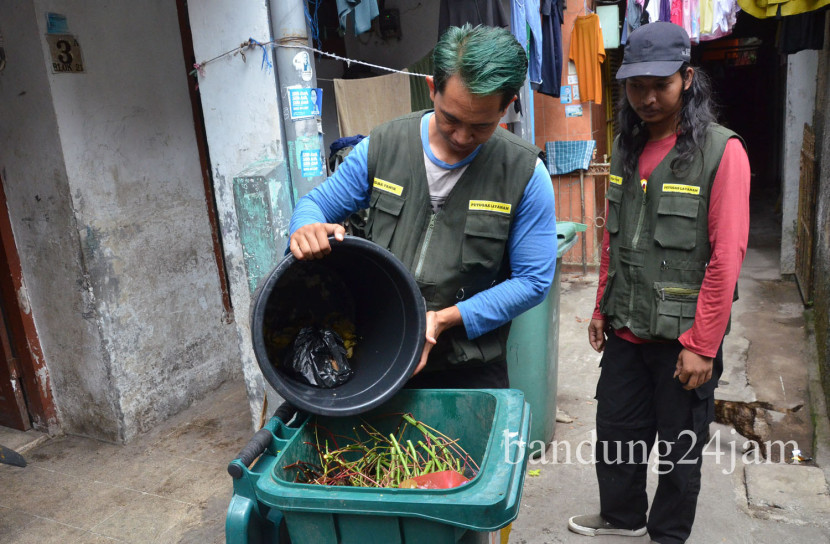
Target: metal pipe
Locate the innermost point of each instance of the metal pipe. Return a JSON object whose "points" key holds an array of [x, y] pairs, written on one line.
{"points": [[582, 220], [294, 69]]}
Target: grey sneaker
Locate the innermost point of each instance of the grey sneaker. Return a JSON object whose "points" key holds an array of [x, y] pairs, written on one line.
{"points": [[593, 525]]}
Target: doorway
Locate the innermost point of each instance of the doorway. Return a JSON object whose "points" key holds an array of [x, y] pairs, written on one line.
{"points": [[25, 394], [749, 81]]}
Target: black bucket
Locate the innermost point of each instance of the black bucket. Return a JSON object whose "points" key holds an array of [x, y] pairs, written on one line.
{"points": [[366, 285]]}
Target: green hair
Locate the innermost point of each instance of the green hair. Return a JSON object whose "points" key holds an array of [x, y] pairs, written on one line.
{"points": [[488, 60]]}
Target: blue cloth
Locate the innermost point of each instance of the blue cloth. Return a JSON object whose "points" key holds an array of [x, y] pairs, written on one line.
{"points": [[665, 10], [531, 244], [551, 48], [524, 14], [364, 12], [346, 141], [567, 156]]}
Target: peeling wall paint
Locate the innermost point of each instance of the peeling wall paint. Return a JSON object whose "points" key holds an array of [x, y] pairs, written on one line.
{"points": [[242, 121], [109, 212]]}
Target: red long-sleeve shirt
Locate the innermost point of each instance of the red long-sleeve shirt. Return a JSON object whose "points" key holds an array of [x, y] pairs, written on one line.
{"points": [[728, 233]]}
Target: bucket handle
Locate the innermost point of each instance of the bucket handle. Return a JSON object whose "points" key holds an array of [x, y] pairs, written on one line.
{"points": [[259, 442]]}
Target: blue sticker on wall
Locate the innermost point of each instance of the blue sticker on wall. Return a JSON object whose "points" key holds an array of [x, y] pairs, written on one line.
{"points": [[56, 24], [311, 164], [305, 102]]}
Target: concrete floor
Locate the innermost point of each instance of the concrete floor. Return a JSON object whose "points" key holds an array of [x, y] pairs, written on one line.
{"points": [[171, 486]]}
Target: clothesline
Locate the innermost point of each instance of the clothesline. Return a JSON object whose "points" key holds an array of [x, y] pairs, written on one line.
{"points": [[266, 63]]}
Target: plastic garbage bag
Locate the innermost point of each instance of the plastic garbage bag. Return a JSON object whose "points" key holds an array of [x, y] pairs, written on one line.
{"points": [[318, 357]]}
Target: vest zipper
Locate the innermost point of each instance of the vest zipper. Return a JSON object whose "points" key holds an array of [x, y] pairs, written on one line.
{"points": [[423, 254], [634, 241]]}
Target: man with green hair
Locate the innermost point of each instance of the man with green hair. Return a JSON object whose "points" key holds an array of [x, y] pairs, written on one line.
{"points": [[464, 204]]}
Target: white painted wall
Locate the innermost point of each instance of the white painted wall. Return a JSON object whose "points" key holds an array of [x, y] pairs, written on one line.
{"points": [[802, 68], [139, 330], [46, 232], [242, 120]]}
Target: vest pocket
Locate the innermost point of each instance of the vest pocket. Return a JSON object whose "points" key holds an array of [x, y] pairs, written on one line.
{"points": [[485, 235], [673, 312], [677, 221], [612, 222], [385, 208], [487, 348]]}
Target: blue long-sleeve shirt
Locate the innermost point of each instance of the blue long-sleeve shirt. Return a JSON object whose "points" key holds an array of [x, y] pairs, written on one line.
{"points": [[531, 245]]}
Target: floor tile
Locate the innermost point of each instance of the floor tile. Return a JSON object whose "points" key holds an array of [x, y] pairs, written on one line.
{"points": [[144, 519], [80, 503], [209, 440], [200, 526], [12, 520], [45, 531], [84, 457], [194, 482]]}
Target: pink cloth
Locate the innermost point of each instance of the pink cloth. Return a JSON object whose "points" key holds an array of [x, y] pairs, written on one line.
{"points": [[728, 233], [677, 12]]}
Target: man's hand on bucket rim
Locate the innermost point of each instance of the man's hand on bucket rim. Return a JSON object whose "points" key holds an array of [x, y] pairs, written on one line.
{"points": [[437, 322], [312, 241]]}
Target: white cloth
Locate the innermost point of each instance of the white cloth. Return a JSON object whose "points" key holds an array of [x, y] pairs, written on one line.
{"points": [[363, 104]]}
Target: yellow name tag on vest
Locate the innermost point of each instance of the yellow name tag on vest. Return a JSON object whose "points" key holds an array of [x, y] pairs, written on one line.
{"points": [[388, 187], [677, 188], [490, 206], [616, 180]]}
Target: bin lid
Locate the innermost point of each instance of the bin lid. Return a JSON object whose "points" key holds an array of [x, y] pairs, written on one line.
{"points": [[566, 235]]}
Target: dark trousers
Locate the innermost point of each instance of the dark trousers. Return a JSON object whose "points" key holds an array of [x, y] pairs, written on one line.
{"points": [[638, 400]]}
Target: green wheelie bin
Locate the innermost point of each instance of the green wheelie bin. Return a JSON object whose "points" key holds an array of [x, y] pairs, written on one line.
{"points": [[270, 506], [533, 350]]}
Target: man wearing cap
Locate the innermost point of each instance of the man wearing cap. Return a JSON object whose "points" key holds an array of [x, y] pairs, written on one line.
{"points": [[675, 237], [465, 205]]}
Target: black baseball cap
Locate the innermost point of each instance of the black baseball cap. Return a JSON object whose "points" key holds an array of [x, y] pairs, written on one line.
{"points": [[656, 49]]}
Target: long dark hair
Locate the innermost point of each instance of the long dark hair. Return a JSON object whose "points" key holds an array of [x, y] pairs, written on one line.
{"points": [[696, 114]]}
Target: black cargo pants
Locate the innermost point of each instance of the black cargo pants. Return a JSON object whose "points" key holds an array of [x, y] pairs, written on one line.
{"points": [[638, 400]]}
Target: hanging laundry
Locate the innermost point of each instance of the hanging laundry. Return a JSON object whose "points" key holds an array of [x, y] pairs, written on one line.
{"points": [[588, 53], [475, 12], [724, 17], [636, 15], [761, 9], [363, 104], [677, 12], [551, 48], [665, 10], [686, 20], [694, 20], [652, 7], [364, 12], [418, 89], [524, 14], [803, 31], [706, 16]]}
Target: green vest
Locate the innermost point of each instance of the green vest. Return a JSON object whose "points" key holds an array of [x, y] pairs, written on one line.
{"points": [[461, 250], [659, 242]]}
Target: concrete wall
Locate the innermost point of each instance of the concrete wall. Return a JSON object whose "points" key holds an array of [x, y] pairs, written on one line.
{"points": [[122, 279], [46, 233], [800, 104], [821, 288], [242, 121]]}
